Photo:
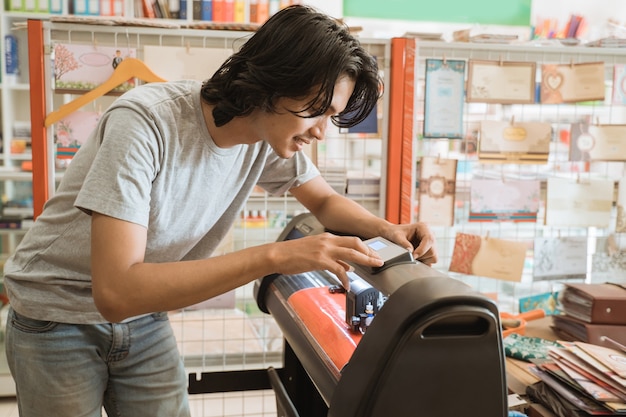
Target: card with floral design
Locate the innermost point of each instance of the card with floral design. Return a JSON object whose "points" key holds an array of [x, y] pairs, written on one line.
{"points": [[437, 191], [72, 131], [80, 67], [488, 257], [560, 258], [494, 200]]}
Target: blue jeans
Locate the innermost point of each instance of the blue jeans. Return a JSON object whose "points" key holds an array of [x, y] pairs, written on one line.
{"points": [[133, 369]]}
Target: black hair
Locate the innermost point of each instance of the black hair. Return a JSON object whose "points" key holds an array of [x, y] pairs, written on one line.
{"points": [[299, 52]]}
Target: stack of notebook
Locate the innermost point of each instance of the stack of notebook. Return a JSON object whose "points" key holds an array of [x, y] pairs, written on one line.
{"points": [[592, 313]]}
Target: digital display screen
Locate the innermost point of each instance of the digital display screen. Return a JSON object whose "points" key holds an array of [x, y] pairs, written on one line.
{"points": [[377, 245]]}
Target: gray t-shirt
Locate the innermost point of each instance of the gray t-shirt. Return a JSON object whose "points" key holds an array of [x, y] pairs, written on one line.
{"points": [[150, 161]]}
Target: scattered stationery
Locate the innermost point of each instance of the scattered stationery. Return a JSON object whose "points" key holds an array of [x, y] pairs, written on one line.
{"points": [[501, 82], [437, 191], [570, 83], [444, 98]]}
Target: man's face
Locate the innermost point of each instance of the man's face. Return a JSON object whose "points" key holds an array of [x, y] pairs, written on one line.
{"points": [[287, 133]]}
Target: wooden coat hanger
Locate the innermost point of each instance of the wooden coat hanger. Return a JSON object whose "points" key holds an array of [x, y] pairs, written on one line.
{"points": [[127, 69]]}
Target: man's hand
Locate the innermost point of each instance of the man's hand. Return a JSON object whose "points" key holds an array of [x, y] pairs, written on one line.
{"points": [[417, 238], [325, 252]]}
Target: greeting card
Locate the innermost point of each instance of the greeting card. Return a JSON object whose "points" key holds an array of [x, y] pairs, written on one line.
{"points": [[504, 200], [488, 257], [79, 68], [509, 141], [579, 203], [501, 82], [72, 131], [184, 63], [545, 301], [560, 258], [619, 84], [569, 83], [437, 189], [591, 142], [444, 98], [608, 263], [620, 221]]}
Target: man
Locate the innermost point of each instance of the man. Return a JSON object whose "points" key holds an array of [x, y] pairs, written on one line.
{"points": [[129, 233]]}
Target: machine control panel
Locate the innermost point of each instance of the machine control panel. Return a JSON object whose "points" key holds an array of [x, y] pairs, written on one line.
{"points": [[390, 253]]}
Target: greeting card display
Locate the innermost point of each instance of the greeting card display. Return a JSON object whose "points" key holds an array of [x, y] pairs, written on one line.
{"points": [[512, 142], [488, 257], [579, 203], [570, 83], [501, 82], [444, 98], [80, 68], [504, 200], [609, 260], [437, 190]]}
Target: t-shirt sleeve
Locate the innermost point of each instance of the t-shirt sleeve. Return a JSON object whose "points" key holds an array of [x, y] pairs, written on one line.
{"points": [[281, 174], [118, 183]]}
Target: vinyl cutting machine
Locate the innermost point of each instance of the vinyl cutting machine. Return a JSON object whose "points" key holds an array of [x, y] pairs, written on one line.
{"points": [[405, 340]]}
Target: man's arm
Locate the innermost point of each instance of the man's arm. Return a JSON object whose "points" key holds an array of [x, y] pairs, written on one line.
{"points": [[125, 286], [341, 214]]}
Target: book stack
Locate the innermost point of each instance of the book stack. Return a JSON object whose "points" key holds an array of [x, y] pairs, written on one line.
{"points": [[581, 379], [592, 313]]}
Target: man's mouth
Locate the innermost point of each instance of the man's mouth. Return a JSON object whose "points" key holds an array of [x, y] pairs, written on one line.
{"points": [[302, 141]]}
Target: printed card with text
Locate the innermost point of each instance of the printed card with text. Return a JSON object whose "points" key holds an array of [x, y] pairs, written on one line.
{"points": [[594, 142], [620, 221], [619, 84], [509, 142], [444, 98], [501, 82], [579, 202], [560, 258], [504, 200], [570, 83], [437, 190], [488, 257]]}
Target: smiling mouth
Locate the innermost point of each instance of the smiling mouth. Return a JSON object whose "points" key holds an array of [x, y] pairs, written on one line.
{"points": [[302, 141]]}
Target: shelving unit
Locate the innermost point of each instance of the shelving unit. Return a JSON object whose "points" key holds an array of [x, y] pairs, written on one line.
{"points": [[558, 115]]}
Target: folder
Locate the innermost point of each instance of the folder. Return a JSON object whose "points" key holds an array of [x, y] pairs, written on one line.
{"points": [[572, 329], [595, 303]]}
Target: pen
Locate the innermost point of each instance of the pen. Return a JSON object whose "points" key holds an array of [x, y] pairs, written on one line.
{"points": [[614, 343]]}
